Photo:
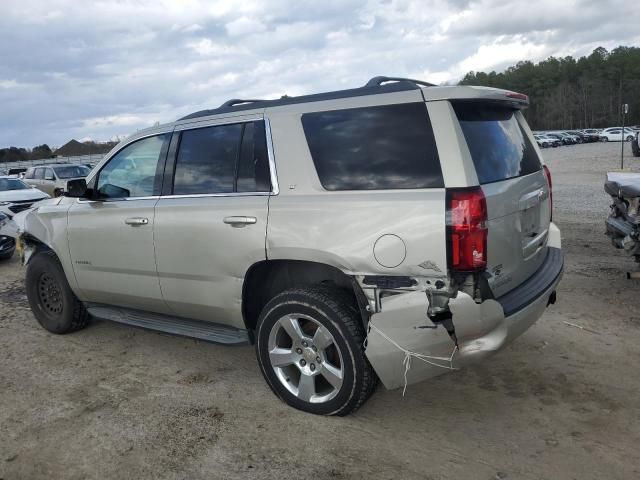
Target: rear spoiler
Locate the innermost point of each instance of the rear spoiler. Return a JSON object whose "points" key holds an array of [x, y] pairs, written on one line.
{"points": [[476, 94]]}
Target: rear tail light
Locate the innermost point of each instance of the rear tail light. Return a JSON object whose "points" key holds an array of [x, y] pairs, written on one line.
{"points": [[547, 174], [467, 229]]}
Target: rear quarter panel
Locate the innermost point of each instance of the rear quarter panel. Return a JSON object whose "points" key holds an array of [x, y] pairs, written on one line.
{"points": [[340, 228]]}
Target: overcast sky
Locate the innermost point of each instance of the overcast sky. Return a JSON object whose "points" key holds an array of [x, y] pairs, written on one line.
{"points": [[99, 68]]}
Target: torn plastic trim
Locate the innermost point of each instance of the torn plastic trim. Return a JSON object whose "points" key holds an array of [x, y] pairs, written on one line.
{"points": [[438, 289], [479, 330]]}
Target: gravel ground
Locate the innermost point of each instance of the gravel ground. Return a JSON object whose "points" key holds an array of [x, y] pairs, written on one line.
{"points": [[112, 402]]}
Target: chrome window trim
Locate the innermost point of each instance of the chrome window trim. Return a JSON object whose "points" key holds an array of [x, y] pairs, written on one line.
{"points": [[124, 199], [228, 194], [218, 122]]}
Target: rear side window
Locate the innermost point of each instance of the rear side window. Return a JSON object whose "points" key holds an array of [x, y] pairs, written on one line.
{"points": [[39, 174], [500, 149], [253, 165], [222, 159], [374, 148]]}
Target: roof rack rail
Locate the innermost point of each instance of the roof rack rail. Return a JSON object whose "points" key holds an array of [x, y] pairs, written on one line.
{"points": [[236, 101], [377, 81]]}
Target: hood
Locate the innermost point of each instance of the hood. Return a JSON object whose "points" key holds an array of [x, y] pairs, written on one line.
{"points": [[22, 195]]}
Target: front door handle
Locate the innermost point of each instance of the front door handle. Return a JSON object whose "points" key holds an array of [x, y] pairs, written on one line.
{"points": [[136, 221], [240, 221]]}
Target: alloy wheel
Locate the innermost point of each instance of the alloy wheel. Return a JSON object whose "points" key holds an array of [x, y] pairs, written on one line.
{"points": [[305, 358]]}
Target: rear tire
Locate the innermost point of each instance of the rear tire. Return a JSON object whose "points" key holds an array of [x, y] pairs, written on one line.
{"points": [[310, 347], [604, 139], [52, 302]]}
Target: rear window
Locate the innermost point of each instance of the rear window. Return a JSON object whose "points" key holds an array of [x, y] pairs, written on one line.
{"points": [[500, 149], [374, 148], [72, 171]]}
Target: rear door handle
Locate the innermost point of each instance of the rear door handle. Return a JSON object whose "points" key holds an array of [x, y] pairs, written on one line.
{"points": [[240, 221], [136, 221]]}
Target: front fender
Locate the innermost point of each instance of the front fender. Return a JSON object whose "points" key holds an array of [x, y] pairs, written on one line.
{"points": [[45, 227]]}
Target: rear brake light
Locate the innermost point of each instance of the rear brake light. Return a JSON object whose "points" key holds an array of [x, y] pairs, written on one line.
{"points": [[518, 96], [467, 229], [547, 174]]}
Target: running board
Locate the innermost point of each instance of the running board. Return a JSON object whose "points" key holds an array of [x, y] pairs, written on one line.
{"points": [[183, 327]]}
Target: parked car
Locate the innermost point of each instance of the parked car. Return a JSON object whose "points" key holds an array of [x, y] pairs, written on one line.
{"points": [[361, 233], [8, 234], [52, 179], [635, 145], [16, 172], [563, 139], [615, 134], [543, 141], [547, 141], [592, 134], [16, 196]]}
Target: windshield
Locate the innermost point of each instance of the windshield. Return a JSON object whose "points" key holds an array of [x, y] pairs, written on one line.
{"points": [[7, 184], [72, 171]]}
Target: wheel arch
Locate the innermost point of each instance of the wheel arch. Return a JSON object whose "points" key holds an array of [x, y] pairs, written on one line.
{"points": [[267, 278]]}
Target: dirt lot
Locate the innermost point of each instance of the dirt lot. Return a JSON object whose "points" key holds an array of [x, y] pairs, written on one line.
{"points": [[112, 402]]}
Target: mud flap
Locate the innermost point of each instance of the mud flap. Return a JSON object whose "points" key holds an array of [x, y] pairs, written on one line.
{"points": [[402, 326]]}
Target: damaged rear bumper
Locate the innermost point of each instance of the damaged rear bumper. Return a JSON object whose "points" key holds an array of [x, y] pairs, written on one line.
{"points": [[401, 332]]}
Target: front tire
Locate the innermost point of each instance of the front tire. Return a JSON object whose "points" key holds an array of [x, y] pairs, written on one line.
{"points": [[310, 347], [52, 302]]}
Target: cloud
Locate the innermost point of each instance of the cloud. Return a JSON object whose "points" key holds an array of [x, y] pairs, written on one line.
{"points": [[115, 66]]}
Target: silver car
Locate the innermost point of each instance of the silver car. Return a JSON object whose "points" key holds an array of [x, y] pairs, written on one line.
{"points": [[52, 179], [391, 232]]}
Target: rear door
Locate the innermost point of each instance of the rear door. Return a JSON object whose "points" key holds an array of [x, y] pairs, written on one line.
{"points": [[211, 222], [509, 169]]}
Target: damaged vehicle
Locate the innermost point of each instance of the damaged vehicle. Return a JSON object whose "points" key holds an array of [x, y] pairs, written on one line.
{"points": [[623, 223], [8, 234], [390, 232]]}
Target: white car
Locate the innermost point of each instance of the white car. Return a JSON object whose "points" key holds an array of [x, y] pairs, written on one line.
{"points": [[615, 134], [16, 196], [8, 235]]}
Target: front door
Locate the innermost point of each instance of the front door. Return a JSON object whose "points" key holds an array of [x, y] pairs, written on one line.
{"points": [[211, 226], [111, 236]]}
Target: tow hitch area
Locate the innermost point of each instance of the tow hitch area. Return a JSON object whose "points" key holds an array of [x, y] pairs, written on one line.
{"points": [[404, 346]]}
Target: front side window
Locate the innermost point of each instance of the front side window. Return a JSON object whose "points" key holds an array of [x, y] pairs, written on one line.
{"points": [[374, 148], [499, 147], [48, 174], [132, 171], [222, 159]]}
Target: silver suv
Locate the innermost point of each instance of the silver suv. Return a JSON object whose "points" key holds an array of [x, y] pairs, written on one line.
{"points": [[395, 231], [52, 179]]}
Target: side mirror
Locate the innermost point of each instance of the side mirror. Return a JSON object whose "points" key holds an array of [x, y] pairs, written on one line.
{"points": [[76, 188]]}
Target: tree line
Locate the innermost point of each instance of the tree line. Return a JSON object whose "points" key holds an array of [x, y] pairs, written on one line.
{"points": [[15, 154], [566, 93], [71, 148]]}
